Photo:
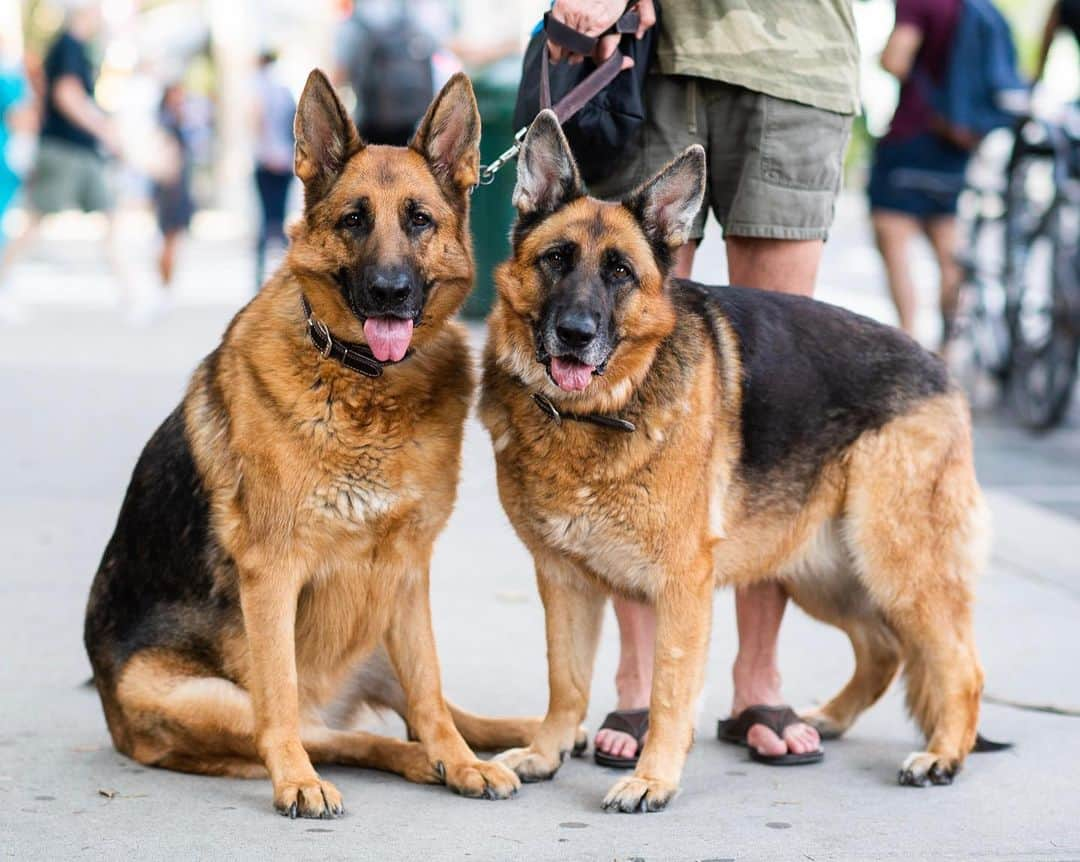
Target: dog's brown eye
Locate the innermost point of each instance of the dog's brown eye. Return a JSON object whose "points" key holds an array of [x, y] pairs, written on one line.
{"points": [[352, 220], [556, 258], [620, 271], [420, 219]]}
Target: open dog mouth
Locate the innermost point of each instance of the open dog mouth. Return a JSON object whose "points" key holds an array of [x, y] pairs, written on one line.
{"points": [[388, 337], [569, 374]]}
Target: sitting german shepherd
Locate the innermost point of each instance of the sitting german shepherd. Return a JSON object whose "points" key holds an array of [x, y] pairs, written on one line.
{"points": [[656, 438], [271, 556]]}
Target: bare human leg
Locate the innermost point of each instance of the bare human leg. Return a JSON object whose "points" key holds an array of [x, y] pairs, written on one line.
{"points": [[892, 234], [167, 257], [787, 266], [942, 235]]}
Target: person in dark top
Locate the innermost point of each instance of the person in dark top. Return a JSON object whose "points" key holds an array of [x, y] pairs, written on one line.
{"points": [[917, 175], [1065, 15], [69, 171], [173, 202], [275, 110]]}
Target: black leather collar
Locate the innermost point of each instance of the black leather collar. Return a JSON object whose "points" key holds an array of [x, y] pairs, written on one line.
{"points": [[355, 357], [600, 419]]}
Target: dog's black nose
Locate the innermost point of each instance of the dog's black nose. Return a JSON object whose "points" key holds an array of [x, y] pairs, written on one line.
{"points": [[390, 288], [577, 328]]}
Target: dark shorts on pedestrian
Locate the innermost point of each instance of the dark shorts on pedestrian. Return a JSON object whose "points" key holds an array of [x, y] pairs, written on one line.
{"points": [[921, 176], [774, 166]]}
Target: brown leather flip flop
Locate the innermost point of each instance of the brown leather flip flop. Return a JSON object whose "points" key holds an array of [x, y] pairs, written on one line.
{"points": [[633, 722], [733, 730]]}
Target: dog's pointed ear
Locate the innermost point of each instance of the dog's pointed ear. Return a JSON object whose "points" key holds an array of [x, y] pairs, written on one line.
{"points": [[667, 204], [449, 135], [325, 137], [547, 175]]}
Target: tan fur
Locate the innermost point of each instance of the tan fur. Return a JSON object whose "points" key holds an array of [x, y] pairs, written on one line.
{"points": [[327, 490], [884, 545]]}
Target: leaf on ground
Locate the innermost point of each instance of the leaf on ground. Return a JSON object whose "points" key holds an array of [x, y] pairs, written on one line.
{"points": [[108, 794]]}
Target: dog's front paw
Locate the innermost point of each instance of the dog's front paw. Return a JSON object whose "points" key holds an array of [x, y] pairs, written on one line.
{"points": [[924, 767], [309, 798], [529, 764], [633, 794], [481, 779]]}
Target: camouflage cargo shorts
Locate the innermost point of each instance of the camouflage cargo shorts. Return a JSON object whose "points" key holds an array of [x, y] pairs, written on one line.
{"points": [[774, 166]]}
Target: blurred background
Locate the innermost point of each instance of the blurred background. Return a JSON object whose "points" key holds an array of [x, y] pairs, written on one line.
{"points": [[193, 103], [104, 314]]}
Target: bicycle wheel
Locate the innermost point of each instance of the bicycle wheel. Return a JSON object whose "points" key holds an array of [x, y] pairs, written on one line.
{"points": [[978, 349], [980, 318], [1045, 343]]}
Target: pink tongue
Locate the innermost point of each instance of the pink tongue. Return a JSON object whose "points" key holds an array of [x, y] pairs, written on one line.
{"points": [[388, 337], [571, 375]]}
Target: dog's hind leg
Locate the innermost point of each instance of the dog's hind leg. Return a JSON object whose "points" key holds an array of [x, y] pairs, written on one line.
{"points": [[917, 534], [877, 659], [178, 716], [840, 599], [483, 733], [375, 684]]}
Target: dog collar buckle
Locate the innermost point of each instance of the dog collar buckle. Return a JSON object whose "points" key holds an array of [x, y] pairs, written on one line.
{"points": [[324, 330], [550, 409], [355, 357]]}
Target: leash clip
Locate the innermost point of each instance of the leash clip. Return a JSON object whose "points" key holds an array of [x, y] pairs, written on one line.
{"points": [[487, 172]]}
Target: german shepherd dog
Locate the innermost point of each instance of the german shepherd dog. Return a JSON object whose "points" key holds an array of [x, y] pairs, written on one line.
{"points": [[657, 438], [270, 562]]}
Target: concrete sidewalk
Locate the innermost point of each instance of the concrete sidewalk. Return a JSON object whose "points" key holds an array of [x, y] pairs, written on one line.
{"points": [[82, 395]]}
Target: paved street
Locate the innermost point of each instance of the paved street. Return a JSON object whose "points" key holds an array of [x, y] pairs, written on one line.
{"points": [[83, 390]]}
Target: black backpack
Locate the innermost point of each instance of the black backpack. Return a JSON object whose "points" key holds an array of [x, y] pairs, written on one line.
{"points": [[397, 79], [600, 108]]}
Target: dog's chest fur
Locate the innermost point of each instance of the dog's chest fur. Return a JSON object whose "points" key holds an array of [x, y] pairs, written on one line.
{"points": [[607, 499]]}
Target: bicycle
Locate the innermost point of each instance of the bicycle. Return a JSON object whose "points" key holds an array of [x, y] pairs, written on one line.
{"points": [[1043, 268], [1018, 318]]}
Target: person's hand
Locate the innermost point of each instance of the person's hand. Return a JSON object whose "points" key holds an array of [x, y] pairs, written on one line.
{"points": [[110, 139], [593, 17]]}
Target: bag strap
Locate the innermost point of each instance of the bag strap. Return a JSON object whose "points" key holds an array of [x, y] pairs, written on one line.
{"points": [[580, 43]]}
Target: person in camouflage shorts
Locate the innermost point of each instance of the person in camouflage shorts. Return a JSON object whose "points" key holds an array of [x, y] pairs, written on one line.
{"points": [[769, 89]]}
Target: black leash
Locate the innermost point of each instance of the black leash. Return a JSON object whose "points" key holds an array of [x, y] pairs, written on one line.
{"points": [[356, 357], [585, 91]]}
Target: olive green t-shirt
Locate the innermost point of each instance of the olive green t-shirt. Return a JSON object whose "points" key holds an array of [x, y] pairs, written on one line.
{"points": [[801, 50]]}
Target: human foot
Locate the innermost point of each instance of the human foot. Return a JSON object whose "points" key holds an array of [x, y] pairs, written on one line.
{"points": [[762, 688], [621, 741]]}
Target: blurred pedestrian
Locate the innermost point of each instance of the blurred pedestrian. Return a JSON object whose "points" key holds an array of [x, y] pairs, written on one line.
{"points": [[773, 112], [15, 144], [69, 171], [1064, 15], [173, 202], [385, 52], [14, 100], [918, 173], [275, 109]]}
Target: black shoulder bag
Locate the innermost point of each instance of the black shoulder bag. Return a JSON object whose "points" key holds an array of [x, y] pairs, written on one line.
{"points": [[599, 106]]}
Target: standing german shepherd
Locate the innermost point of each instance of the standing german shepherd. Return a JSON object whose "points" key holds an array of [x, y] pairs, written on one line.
{"points": [[271, 556], [656, 437]]}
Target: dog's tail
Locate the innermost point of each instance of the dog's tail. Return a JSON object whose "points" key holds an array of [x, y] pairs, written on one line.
{"points": [[982, 744]]}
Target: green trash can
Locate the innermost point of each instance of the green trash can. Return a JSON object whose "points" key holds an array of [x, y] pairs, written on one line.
{"points": [[492, 212]]}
